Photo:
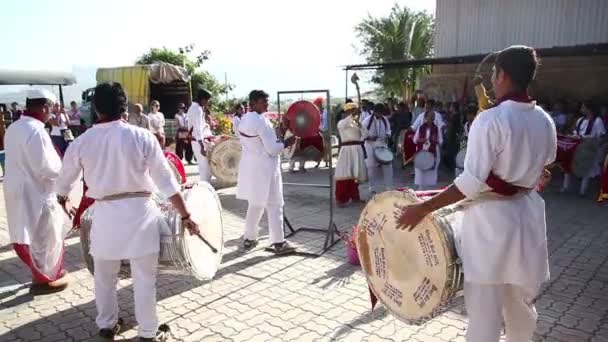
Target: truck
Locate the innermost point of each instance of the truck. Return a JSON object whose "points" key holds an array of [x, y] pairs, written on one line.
{"points": [[166, 83]]}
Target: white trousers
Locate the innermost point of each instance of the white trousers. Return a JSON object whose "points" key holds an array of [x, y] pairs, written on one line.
{"points": [[275, 222], [379, 176], [203, 163], [487, 305], [568, 179], [143, 271]]}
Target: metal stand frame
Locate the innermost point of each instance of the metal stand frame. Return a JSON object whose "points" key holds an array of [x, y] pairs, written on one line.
{"points": [[330, 233]]}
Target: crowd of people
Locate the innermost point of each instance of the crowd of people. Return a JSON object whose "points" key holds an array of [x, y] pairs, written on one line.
{"points": [[443, 131]]}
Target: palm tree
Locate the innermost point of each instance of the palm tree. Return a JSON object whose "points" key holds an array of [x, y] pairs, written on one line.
{"points": [[403, 34]]}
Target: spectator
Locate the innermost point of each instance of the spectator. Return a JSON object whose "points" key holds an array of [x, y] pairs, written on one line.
{"points": [[401, 120], [157, 122], [59, 129], [559, 116], [74, 117], [183, 148], [138, 118]]}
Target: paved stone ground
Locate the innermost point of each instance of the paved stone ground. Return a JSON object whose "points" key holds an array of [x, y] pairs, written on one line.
{"points": [[258, 297]]}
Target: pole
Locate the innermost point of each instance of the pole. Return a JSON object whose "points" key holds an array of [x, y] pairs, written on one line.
{"points": [[226, 82], [60, 95]]}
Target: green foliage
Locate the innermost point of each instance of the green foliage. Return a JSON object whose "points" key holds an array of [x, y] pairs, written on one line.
{"points": [[403, 34], [192, 62]]}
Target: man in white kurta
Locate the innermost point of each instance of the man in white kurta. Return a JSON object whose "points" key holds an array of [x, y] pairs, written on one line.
{"points": [[503, 242], [589, 126], [428, 137], [260, 181], [35, 220], [122, 165], [429, 106], [378, 133], [201, 133], [350, 168]]}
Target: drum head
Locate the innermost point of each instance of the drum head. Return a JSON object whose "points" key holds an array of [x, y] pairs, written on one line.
{"points": [[424, 160], [206, 210], [224, 160], [383, 155], [303, 118], [460, 158], [411, 273], [584, 157]]}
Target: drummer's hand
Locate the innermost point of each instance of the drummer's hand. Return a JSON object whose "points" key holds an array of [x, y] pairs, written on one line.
{"points": [[191, 226], [544, 180], [412, 215]]}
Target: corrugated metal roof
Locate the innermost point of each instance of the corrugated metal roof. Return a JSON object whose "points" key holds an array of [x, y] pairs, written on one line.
{"points": [[466, 27]]}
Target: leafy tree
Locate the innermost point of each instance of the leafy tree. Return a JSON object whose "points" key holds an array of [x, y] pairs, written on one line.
{"points": [[403, 34], [186, 58]]}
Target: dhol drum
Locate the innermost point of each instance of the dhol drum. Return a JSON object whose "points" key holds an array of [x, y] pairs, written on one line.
{"points": [[224, 160], [413, 274], [460, 158], [180, 252], [383, 155], [424, 160]]}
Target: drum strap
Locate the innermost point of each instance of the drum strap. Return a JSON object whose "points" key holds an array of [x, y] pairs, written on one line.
{"points": [[354, 143], [124, 195]]}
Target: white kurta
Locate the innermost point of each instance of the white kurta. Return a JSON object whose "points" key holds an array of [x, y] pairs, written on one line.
{"points": [[259, 178], [236, 121], [505, 241], [351, 160], [157, 122], [597, 130], [33, 215], [117, 158], [420, 120], [428, 177], [375, 128], [200, 130]]}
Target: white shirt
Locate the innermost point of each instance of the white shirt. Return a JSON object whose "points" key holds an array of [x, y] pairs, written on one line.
{"points": [[32, 167], [62, 123], [364, 115], [196, 122], [597, 130], [259, 178], [420, 120], [376, 128], [236, 121], [157, 122], [182, 120], [504, 241], [115, 158]]}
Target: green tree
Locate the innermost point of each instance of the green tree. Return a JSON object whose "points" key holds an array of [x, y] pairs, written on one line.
{"points": [[192, 62], [403, 34]]}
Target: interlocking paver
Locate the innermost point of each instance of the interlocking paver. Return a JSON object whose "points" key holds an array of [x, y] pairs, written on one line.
{"points": [[296, 298]]}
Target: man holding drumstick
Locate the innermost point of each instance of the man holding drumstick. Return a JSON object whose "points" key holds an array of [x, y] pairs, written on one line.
{"points": [[503, 236], [122, 165]]}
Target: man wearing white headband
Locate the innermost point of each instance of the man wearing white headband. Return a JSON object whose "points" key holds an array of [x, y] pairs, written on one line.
{"points": [[35, 220]]}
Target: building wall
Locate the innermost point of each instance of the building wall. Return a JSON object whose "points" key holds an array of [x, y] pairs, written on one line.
{"points": [[466, 27], [564, 78]]}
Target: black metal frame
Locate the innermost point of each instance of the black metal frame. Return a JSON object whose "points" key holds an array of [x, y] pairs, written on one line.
{"points": [[330, 233]]}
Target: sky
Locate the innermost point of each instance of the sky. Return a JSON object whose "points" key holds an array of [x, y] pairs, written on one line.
{"points": [[262, 44]]}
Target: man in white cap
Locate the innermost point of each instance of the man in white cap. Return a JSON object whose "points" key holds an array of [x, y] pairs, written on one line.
{"points": [[35, 219]]}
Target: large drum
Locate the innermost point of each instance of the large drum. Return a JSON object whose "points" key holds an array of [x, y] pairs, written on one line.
{"points": [[414, 274], [180, 252], [424, 160], [383, 155], [224, 158]]}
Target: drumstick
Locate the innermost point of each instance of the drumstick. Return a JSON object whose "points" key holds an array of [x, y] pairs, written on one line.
{"points": [[213, 249]]}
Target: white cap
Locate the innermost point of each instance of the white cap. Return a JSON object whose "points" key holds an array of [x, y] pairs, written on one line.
{"points": [[34, 94]]}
